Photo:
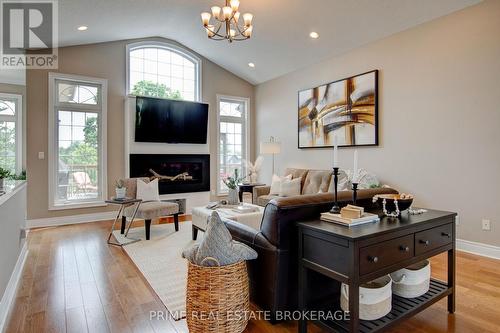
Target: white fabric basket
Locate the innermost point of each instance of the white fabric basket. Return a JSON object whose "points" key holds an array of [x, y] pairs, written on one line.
{"points": [[412, 281], [374, 302]]}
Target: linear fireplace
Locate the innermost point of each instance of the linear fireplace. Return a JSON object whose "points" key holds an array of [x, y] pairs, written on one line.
{"points": [[176, 173]]}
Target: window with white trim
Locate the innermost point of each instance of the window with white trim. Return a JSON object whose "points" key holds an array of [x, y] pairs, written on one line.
{"points": [[77, 141], [11, 146], [163, 70], [232, 138]]}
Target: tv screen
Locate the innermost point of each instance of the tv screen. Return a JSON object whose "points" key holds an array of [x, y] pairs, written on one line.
{"points": [[170, 121]]}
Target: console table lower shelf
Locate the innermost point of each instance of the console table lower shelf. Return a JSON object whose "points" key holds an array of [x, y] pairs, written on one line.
{"points": [[402, 308]]}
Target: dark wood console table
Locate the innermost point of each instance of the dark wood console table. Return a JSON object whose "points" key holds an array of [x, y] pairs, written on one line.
{"points": [[363, 253]]}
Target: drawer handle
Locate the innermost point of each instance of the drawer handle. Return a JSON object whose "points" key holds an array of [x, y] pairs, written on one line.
{"points": [[373, 259], [404, 248], [445, 234], [425, 242]]}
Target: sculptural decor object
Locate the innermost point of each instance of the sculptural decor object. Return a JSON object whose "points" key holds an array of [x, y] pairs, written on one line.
{"points": [[393, 204], [345, 109]]}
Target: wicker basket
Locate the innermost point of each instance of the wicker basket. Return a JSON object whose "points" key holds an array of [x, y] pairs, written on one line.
{"points": [[217, 298]]}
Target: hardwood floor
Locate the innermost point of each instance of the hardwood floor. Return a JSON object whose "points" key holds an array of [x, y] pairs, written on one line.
{"points": [[74, 282]]}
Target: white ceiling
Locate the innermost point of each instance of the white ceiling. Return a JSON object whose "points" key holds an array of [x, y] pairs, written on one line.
{"points": [[280, 43]]}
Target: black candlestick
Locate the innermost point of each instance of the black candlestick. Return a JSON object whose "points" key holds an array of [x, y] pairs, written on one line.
{"points": [[354, 192], [335, 209]]}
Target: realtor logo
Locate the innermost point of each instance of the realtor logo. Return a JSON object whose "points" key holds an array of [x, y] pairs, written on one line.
{"points": [[29, 34]]}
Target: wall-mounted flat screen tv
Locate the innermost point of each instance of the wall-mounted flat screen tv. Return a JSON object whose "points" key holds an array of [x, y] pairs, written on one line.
{"points": [[170, 121]]}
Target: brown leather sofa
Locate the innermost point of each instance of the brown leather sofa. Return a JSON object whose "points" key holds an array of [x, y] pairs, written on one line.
{"points": [[273, 276], [313, 182]]}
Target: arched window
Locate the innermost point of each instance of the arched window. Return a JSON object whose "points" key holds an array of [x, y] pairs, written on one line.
{"points": [[163, 70]]}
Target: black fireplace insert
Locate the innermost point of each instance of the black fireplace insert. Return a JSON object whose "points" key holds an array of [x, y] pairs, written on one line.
{"points": [[176, 173]]}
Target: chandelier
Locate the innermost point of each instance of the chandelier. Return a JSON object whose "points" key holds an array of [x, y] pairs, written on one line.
{"points": [[226, 23]]}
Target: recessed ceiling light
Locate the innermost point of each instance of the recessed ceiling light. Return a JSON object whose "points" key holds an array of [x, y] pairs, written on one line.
{"points": [[251, 64], [82, 28], [314, 35]]}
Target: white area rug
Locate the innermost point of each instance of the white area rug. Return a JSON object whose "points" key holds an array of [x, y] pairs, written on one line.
{"points": [[160, 261]]}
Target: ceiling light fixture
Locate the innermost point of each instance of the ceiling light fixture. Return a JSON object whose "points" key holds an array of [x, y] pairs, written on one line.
{"points": [[226, 23], [314, 35], [251, 64], [82, 28]]}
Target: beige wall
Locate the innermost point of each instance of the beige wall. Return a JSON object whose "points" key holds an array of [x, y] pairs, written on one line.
{"points": [[439, 115], [105, 60]]}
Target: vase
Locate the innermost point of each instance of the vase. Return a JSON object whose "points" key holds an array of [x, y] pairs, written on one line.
{"points": [[232, 197], [120, 192], [253, 178]]}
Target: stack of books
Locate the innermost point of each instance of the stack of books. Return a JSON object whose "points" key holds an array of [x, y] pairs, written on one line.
{"points": [[350, 216]]}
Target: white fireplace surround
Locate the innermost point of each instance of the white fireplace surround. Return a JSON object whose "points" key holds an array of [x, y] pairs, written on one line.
{"points": [[132, 147]]}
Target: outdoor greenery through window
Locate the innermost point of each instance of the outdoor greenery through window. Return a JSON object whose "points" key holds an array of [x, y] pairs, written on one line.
{"points": [[10, 132], [232, 139], [161, 71], [78, 114]]}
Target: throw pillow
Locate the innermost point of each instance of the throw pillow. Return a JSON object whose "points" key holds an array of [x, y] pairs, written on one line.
{"points": [[290, 188], [276, 184], [217, 243], [149, 191]]}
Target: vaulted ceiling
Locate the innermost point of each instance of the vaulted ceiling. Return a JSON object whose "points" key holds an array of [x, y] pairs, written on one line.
{"points": [[280, 42]]}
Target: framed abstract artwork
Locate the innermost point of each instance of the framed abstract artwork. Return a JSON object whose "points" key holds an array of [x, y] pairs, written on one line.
{"points": [[343, 111]]}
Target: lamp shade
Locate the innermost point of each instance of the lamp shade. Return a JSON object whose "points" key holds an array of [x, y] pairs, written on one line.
{"points": [[272, 147]]}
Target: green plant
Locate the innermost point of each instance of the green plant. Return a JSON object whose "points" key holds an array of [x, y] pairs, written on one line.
{"points": [[149, 88], [21, 176], [232, 182], [119, 183], [375, 186], [4, 173]]}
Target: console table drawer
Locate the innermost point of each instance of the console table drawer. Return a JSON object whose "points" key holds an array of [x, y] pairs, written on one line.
{"points": [[375, 257], [431, 239]]}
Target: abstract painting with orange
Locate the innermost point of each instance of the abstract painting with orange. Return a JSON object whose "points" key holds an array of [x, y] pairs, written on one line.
{"points": [[343, 111]]}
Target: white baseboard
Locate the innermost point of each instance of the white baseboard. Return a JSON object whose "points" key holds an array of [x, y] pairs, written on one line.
{"points": [[481, 249], [71, 219], [10, 291]]}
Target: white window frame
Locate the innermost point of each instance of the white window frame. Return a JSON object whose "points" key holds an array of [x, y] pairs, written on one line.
{"points": [[245, 126], [18, 119], [172, 48], [53, 142]]}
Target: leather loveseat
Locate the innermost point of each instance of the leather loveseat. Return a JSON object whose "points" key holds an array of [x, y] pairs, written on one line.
{"points": [[273, 275]]}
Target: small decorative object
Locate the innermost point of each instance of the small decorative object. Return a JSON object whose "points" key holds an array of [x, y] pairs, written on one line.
{"points": [[375, 298], [412, 281], [120, 189], [393, 204], [226, 24], [232, 185], [416, 211], [254, 169], [346, 109], [4, 173], [352, 212]]}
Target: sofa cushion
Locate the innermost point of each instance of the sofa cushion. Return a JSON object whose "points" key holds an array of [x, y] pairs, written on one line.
{"points": [[290, 188], [264, 199], [343, 184], [317, 181], [131, 185], [297, 173]]}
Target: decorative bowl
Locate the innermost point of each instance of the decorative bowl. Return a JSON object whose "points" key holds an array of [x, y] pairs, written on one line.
{"points": [[388, 203]]}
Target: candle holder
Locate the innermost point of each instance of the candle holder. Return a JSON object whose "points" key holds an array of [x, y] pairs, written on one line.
{"points": [[335, 209], [354, 192]]}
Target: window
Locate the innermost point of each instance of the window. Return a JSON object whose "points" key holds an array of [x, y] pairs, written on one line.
{"points": [[232, 137], [77, 141], [162, 70], [10, 132]]}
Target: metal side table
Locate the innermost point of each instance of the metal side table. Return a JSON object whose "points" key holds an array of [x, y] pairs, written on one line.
{"points": [[123, 204]]}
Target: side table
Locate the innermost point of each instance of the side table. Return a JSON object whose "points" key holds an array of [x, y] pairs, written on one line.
{"points": [[123, 204], [247, 188]]}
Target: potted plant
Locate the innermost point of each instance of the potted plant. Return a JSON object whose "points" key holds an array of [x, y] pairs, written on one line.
{"points": [[120, 189], [4, 173], [232, 185]]}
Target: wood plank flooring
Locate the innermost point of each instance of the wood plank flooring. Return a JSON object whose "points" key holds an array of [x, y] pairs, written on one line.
{"points": [[74, 282]]}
